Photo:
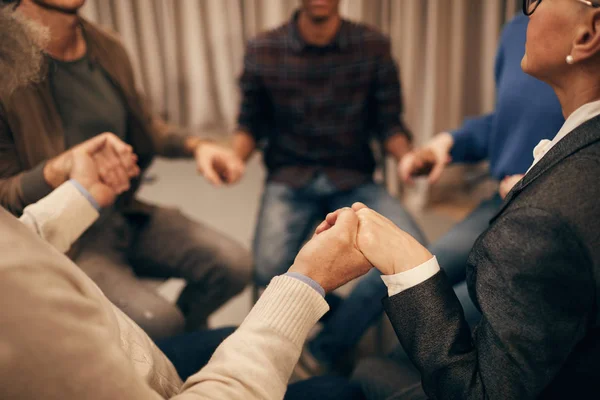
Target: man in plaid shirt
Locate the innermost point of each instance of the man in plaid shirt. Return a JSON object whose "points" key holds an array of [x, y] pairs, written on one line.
{"points": [[316, 91]]}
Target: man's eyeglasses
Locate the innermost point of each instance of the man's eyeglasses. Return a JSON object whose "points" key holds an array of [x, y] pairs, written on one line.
{"points": [[529, 6]]}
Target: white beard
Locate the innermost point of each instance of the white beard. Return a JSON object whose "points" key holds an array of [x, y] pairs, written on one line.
{"points": [[20, 50]]}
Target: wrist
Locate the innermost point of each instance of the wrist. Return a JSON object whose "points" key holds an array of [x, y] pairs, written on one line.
{"points": [[243, 144], [304, 270], [309, 281], [193, 143], [444, 141], [56, 170], [87, 192], [398, 146], [418, 258]]}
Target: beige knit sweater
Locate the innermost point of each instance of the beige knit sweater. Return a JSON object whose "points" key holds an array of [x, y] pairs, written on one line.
{"points": [[61, 338]]}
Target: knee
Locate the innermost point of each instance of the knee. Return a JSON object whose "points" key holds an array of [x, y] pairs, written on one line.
{"points": [[230, 267], [239, 265], [160, 321]]}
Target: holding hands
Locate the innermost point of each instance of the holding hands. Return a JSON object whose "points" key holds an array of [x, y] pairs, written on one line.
{"points": [[103, 165], [352, 240], [332, 257]]}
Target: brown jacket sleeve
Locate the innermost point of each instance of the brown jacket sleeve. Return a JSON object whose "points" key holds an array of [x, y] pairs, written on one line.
{"points": [[18, 188]]}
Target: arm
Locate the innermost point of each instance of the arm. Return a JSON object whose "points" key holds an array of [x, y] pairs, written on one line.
{"points": [[518, 347], [257, 361], [388, 106], [18, 187], [253, 106], [61, 217], [254, 363], [471, 141], [244, 144]]}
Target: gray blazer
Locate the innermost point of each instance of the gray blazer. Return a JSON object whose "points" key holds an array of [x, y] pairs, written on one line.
{"points": [[534, 275]]}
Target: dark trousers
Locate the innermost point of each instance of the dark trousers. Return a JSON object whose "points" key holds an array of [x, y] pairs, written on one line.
{"points": [[120, 249], [191, 352]]}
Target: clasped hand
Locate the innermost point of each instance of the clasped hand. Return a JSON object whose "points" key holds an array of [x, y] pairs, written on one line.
{"points": [[350, 241], [103, 165]]}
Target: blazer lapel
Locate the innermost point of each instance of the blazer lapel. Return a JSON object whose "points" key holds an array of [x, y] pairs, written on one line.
{"points": [[582, 136]]}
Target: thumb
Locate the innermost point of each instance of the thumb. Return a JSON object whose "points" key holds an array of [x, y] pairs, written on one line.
{"points": [[346, 223], [207, 168], [94, 144], [436, 172]]}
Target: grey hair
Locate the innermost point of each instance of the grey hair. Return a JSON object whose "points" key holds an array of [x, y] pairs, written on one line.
{"points": [[21, 56]]}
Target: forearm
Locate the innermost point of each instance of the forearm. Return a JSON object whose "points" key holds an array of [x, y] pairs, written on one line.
{"points": [[172, 141], [244, 144], [470, 141], [61, 217], [398, 145], [498, 360], [256, 362], [448, 368]]}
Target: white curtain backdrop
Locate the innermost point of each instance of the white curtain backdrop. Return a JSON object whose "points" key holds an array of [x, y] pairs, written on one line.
{"points": [[188, 53]]}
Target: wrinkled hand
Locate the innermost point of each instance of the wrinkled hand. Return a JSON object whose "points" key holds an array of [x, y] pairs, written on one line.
{"points": [[507, 184], [387, 247], [114, 159], [332, 258], [103, 155], [430, 159], [218, 164]]}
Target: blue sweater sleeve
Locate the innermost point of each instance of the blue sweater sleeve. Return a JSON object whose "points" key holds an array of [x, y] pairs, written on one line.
{"points": [[471, 141]]}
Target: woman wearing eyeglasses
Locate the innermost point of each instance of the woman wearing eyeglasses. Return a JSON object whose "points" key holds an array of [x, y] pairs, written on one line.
{"points": [[534, 274]]}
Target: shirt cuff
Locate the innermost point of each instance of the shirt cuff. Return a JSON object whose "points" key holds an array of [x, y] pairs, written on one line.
{"points": [[308, 281], [85, 194], [405, 280]]}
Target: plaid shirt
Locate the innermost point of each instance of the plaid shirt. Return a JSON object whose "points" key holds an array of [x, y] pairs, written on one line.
{"points": [[316, 109]]}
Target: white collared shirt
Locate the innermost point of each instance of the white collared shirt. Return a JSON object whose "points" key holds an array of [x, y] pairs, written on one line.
{"points": [[405, 280], [578, 117]]}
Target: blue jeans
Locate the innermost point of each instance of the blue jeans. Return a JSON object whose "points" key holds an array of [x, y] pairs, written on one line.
{"points": [[362, 308], [288, 216]]}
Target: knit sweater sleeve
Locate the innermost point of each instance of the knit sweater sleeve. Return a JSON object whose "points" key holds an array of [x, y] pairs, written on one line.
{"points": [[61, 217], [257, 361]]}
